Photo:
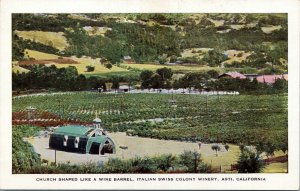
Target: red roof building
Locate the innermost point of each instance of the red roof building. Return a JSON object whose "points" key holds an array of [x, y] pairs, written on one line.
{"points": [[270, 79], [233, 75]]}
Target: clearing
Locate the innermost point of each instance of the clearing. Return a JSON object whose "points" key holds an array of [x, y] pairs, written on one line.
{"points": [[276, 168], [96, 30], [182, 68], [270, 29], [138, 146], [81, 63], [54, 39]]}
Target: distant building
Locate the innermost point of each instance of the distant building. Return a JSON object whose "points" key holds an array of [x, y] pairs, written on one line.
{"points": [[128, 60], [270, 79], [232, 75], [123, 87], [108, 86]]}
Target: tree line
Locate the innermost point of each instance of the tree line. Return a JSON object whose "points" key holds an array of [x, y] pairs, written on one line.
{"points": [[68, 79], [62, 79], [208, 81]]}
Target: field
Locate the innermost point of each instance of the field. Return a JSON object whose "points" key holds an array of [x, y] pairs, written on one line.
{"points": [[81, 66], [101, 69], [19, 69], [37, 55], [276, 167], [227, 119], [176, 68], [149, 125], [54, 39]]}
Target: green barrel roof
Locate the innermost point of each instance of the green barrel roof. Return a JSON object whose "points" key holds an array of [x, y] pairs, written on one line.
{"points": [[76, 130]]}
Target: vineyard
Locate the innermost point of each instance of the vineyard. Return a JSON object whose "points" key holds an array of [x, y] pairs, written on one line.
{"points": [[243, 119]]}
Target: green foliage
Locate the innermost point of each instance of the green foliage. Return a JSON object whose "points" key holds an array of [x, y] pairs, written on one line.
{"points": [[165, 162], [227, 119], [42, 22], [281, 85], [43, 77], [108, 66], [90, 68], [192, 161], [19, 45], [214, 58], [146, 76], [23, 156], [193, 79], [165, 73], [116, 165], [250, 162], [160, 79], [226, 147], [216, 148]]}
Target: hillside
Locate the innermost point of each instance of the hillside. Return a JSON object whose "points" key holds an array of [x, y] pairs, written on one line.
{"points": [[233, 41]]}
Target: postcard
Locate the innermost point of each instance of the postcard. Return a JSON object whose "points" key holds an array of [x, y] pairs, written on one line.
{"points": [[139, 94]]}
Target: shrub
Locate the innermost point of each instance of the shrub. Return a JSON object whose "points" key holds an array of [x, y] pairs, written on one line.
{"points": [[226, 147], [108, 66], [143, 165], [165, 162], [90, 68], [116, 165], [23, 156], [250, 162], [192, 161]]}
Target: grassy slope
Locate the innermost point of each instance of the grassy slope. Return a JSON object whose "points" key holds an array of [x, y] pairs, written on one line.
{"points": [[40, 55], [81, 67], [177, 68], [276, 167], [57, 39], [18, 69], [100, 69]]}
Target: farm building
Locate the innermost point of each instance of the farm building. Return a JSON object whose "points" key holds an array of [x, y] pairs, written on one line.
{"points": [[232, 75], [83, 139], [108, 86], [128, 60], [270, 79]]}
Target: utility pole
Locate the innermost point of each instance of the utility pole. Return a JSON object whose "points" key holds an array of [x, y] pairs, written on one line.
{"points": [[206, 104], [55, 157]]}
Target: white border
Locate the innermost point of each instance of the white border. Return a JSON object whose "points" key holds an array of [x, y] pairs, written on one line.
{"points": [[273, 181]]}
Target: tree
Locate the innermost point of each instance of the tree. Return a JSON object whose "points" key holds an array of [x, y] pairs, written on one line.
{"points": [[216, 148], [165, 73], [284, 147], [192, 160], [90, 68], [281, 85], [226, 147], [214, 58], [173, 59], [213, 74], [250, 162], [146, 76], [108, 66], [164, 162], [162, 60], [156, 81]]}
